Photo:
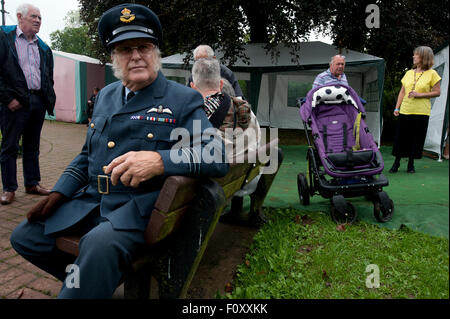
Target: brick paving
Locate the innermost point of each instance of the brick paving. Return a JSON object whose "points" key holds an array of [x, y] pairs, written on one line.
{"points": [[19, 279]]}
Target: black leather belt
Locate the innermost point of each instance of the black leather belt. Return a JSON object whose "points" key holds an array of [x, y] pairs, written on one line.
{"points": [[102, 183], [35, 92]]}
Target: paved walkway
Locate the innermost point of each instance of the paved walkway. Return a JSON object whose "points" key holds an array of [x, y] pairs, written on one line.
{"points": [[60, 143]]}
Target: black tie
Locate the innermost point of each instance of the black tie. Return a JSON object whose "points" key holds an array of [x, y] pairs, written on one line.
{"points": [[130, 95]]}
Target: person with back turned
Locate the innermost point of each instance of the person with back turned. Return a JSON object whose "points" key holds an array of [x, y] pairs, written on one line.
{"points": [[204, 51]]}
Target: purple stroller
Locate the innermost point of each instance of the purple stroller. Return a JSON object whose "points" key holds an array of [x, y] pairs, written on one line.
{"points": [[344, 151]]}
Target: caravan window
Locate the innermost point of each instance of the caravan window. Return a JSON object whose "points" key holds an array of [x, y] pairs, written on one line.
{"points": [[439, 70], [297, 90], [178, 79], [371, 96], [245, 87]]}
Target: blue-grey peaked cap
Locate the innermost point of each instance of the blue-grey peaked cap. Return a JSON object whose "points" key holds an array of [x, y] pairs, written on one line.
{"points": [[129, 21]]}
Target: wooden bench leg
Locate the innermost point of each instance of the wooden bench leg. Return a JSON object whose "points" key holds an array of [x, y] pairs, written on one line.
{"points": [[255, 216], [259, 195], [137, 282], [180, 255]]}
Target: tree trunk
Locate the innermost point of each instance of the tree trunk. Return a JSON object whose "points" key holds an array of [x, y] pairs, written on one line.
{"points": [[257, 20]]}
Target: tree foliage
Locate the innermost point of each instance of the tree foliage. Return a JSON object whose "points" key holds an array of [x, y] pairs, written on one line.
{"points": [[404, 24], [74, 38], [228, 24]]}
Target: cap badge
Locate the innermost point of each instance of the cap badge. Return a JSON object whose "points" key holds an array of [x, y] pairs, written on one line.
{"points": [[127, 16]]}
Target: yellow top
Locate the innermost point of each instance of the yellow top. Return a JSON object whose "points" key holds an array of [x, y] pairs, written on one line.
{"points": [[424, 82]]}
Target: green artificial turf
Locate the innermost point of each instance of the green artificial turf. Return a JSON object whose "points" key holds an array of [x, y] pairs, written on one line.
{"points": [[421, 200]]}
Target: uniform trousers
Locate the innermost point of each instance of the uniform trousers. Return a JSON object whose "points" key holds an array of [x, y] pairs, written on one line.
{"points": [[26, 123], [104, 256]]}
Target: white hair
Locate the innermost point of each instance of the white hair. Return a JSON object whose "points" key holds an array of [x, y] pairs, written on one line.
{"points": [[227, 88], [206, 74], [203, 50], [336, 56], [156, 62], [24, 8]]}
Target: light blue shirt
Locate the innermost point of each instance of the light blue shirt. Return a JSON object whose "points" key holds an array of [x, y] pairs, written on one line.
{"points": [[327, 77], [29, 59], [127, 90]]}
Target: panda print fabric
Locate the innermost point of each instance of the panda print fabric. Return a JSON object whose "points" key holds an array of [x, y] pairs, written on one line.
{"points": [[335, 94]]}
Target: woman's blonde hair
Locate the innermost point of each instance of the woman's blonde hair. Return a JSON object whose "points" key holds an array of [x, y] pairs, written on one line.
{"points": [[427, 56]]}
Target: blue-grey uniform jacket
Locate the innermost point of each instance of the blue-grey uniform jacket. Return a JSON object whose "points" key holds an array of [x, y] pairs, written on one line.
{"points": [[144, 123]]}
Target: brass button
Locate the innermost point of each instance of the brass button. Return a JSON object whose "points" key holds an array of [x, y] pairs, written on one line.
{"points": [[92, 125], [104, 168], [111, 144], [150, 135]]}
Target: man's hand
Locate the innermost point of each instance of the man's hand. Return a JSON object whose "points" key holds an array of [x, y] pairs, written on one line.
{"points": [[134, 168], [14, 105], [45, 207]]}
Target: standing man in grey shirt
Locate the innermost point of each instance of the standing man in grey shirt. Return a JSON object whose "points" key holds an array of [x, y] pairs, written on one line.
{"points": [[334, 75]]}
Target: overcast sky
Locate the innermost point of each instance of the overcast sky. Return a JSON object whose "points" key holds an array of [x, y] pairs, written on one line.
{"points": [[52, 12]]}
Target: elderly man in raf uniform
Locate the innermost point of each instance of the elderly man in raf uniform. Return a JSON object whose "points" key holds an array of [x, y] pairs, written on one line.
{"points": [[110, 188]]}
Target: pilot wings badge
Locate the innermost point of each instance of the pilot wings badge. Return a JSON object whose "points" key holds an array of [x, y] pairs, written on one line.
{"points": [[160, 110]]}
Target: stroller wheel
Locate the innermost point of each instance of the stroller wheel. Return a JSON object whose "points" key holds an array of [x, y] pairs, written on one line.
{"points": [[383, 213], [345, 215], [303, 190]]}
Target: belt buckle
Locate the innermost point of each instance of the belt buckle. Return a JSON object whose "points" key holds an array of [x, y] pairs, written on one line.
{"points": [[99, 179]]}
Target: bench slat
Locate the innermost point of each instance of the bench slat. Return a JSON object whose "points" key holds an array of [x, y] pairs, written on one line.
{"points": [[68, 244], [176, 192], [162, 224]]}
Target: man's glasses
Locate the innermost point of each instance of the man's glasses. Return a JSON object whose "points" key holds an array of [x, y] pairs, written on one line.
{"points": [[143, 49]]}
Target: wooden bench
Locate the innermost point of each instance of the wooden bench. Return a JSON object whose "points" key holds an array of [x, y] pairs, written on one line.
{"points": [[182, 221]]}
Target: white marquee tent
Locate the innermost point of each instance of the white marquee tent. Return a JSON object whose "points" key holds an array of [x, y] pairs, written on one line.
{"points": [[438, 122], [272, 86]]}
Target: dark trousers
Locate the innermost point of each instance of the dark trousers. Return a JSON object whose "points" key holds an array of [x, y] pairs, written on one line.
{"points": [[105, 254], [410, 136], [26, 123]]}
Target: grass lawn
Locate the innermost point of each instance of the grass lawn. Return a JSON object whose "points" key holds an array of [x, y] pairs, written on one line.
{"points": [[300, 255]]}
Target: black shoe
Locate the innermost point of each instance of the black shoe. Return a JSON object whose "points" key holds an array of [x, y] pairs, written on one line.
{"points": [[257, 219], [253, 220], [234, 215], [394, 168], [411, 170]]}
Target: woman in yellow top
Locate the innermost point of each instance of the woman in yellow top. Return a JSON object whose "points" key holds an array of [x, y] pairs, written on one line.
{"points": [[413, 107]]}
